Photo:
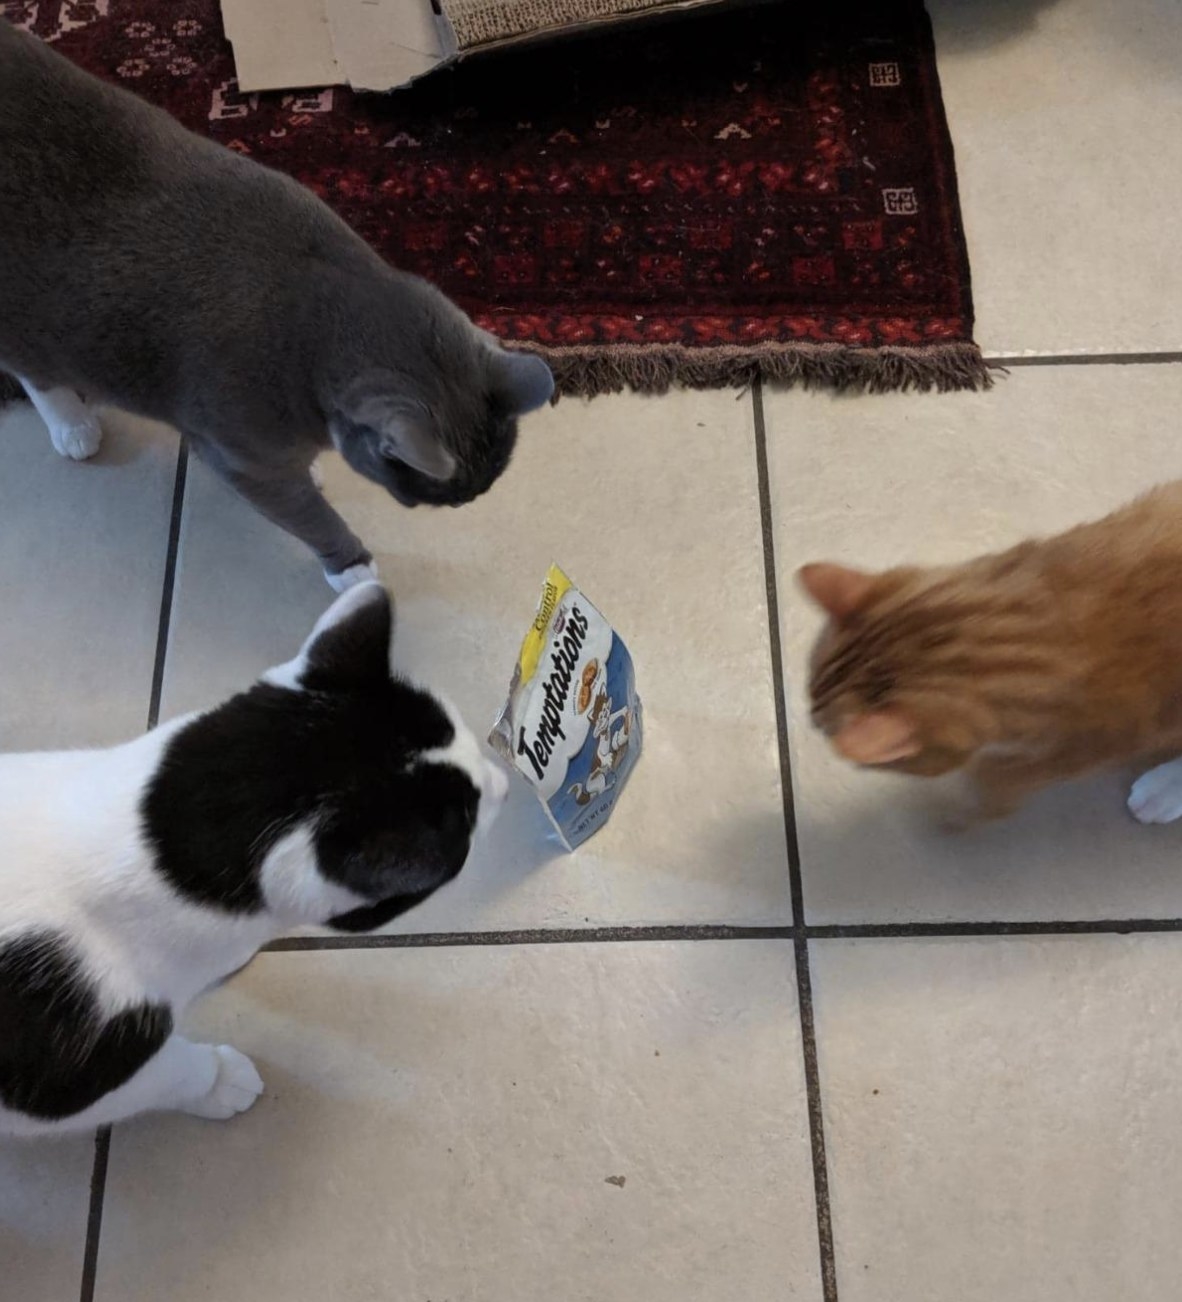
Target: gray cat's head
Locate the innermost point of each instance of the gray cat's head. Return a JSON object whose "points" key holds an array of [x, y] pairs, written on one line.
{"points": [[430, 408]]}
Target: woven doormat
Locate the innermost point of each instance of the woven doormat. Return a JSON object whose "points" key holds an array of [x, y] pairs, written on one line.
{"points": [[744, 192], [476, 23]]}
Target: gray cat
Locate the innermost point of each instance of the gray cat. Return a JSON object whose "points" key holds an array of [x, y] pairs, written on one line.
{"points": [[146, 268]]}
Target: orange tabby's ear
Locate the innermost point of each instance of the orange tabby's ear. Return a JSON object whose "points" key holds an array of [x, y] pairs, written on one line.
{"points": [[837, 590], [879, 738]]}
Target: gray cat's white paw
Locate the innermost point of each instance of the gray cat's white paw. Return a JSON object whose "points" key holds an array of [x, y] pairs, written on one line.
{"points": [[351, 577], [235, 1087], [316, 475], [1156, 796], [77, 441]]}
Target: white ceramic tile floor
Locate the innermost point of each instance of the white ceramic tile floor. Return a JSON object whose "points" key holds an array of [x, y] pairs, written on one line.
{"points": [[446, 1123], [1066, 117], [1002, 1117], [44, 1199], [440, 1122], [82, 558]]}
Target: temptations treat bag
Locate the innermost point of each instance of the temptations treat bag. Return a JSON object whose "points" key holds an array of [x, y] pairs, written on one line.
{"points": [[572, 723]]}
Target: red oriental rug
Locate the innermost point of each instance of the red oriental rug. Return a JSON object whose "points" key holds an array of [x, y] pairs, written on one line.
{"points": [[765, 191]]}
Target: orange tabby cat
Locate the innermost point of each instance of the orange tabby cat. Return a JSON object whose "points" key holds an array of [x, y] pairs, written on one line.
{"points": [[1037, 664]]}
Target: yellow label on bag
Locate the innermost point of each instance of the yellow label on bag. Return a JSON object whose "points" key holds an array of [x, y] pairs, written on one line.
{"points": [[554, 589]]}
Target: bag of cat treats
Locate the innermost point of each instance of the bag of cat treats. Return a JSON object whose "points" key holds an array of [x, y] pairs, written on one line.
{"points": [[572, 723]]}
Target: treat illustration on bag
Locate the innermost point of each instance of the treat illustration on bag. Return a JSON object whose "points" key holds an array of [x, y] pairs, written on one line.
{"points": [[572, 725]]}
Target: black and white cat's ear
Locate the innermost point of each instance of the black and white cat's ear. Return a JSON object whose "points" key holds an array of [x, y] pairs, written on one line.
{"points": [[411, 437], [348, 650], [521, 382]]}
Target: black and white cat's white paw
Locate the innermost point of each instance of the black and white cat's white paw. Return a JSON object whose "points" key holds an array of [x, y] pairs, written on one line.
{"points": [[235, 1086], [1156, 796], [343, 580], [78, 441]]}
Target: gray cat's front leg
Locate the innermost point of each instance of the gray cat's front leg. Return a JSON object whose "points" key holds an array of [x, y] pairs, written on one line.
{"points": [[292, 501], [73, 427]]}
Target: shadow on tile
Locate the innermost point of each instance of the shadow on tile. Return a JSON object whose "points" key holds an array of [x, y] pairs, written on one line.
{"points": [[888, 855], [966, 26], [1149, 30]]}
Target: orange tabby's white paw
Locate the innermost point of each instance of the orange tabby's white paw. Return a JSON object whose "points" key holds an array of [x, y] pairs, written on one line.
{"points": [[1156, 796]]}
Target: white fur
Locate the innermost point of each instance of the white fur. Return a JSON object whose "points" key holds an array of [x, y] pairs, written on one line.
{"points": [[73, 428], [73, 860], [1156, 796], [351, 577], [295, 891]]}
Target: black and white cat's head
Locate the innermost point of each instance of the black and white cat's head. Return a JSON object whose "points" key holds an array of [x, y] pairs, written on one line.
{"points": [[431, 414], [330, 789]]}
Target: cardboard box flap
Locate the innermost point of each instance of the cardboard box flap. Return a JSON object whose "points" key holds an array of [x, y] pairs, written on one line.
{"points": [[367, 44]]}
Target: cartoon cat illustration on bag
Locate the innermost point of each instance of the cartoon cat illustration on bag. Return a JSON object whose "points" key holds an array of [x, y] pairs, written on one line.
{"points": [[611, 742]]}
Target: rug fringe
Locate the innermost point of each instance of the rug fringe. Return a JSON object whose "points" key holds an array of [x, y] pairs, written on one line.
{"points": [[589, 371]]}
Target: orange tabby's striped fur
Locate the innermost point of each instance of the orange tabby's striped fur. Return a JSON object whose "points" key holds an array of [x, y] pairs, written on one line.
{"points": [[1037, 664]]}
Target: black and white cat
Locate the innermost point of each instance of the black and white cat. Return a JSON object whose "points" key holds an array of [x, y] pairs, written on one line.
{"points": [[147, 268], [133, 879]]}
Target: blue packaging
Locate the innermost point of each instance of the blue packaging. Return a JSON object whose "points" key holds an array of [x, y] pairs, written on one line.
{"points": [[572, 725]]}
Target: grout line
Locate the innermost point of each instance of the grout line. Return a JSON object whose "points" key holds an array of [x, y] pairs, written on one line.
{"points": [[684, 932], [94, 1220], [537, 936], [804, 983], [812, 1083], [1079, 927], [787, 800], [162, 627], [102, 1138], [1085, 359]]}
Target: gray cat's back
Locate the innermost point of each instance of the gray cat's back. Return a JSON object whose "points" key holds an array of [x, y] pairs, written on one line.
{"points": [[150, 269], [127, 238]]}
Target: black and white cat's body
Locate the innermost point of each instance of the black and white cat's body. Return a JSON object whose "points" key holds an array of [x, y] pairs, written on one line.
{"points": [[150, 269], [133, 879]]}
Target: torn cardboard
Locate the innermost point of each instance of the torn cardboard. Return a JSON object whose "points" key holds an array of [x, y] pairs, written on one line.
{"points": [[366, 44]]}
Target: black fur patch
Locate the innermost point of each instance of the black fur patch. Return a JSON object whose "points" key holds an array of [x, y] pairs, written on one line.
{"points": [[57, 1054], [353, 655], [341, 757], [377, 915]]}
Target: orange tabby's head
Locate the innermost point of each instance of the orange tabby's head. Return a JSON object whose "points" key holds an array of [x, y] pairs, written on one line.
{"points": [[899, 676]]}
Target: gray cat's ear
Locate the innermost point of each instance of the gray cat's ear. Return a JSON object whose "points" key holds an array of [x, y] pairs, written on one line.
{"points": [[520, 380], [412, 439]]}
